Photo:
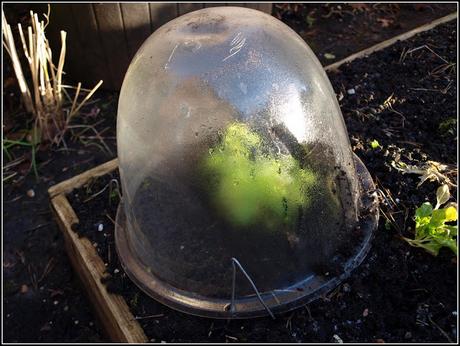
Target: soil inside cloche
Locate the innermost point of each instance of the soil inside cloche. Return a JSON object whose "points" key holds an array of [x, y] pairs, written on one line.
{"points": [[185, 240], [400, 293]]}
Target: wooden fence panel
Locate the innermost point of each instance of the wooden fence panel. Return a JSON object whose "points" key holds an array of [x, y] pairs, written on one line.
{"points": [[136, 18], [161, 13], [113, 39], [189, 7], [91, 57]]}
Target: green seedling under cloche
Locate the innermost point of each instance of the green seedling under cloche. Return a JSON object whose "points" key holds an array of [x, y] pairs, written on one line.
{"points": [[251, 187]]}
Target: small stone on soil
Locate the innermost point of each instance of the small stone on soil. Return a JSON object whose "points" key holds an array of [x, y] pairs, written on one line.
{"points": [[100, 227], [31, 193], [365, 312], [351, 91], [46, 327]]}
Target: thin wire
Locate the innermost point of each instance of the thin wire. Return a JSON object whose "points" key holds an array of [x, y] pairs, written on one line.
{"points": [[234, 263]]}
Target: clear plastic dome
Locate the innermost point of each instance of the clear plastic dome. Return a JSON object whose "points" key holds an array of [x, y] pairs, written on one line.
{"points": [[241, 195]]}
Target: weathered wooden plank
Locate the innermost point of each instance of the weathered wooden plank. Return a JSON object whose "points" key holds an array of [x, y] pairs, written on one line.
{"points": [[136, 19], [111, 309], [79, 180], [113, 38], [161, 13], [189, 7]]}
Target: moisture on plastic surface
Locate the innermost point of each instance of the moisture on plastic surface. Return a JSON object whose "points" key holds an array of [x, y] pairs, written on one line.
{"points": [[231, 143]]}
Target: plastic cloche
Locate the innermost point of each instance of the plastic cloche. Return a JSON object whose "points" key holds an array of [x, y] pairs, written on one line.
{"points": [[241, 194]]}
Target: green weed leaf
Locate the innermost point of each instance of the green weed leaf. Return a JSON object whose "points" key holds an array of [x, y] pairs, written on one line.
{"points": [[431, 231], [425, 210], [375, 144]]}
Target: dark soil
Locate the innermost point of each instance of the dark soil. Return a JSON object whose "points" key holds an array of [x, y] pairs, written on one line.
{"points": [[409, 295], [335, 31], [400, 293], [43, 299]]}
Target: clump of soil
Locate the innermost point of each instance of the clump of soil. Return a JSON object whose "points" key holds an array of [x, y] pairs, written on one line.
{"points": [[399, 293]]}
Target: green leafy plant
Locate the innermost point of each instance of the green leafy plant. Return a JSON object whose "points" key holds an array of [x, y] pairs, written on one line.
{"points": [[249, 186], [431, 229], [375, 144], [448, 127]]}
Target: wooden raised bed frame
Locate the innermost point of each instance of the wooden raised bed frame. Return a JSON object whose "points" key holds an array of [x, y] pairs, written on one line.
{"points": [[111, 309]]}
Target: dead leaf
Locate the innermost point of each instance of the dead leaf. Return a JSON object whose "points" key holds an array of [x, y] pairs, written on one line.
{"points": [[21, 256], [360, 7], [18, 135], [442, 195], [430, 170], [9, 82], [421, 7], [310, 33], [56, 292], [385, 22]]}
